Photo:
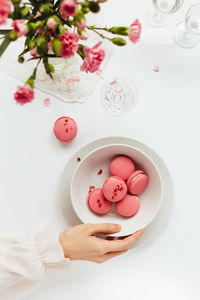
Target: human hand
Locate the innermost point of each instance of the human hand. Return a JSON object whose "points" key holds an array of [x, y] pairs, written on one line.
{"points": [[79, 242]]}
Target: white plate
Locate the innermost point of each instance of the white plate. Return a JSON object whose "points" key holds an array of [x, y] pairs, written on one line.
{"points": [[159, 223], [86, 174]]}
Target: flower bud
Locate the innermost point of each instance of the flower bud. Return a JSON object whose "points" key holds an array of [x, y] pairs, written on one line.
{"points": [[25, 11], [61, 29], [41, 45], [57, 47], [39, 24], [21, 59], [32, 26], [30, 43], [12, 35], [85, 10], [49, 68], [119, 41], [45, 9], [78, 16], [94, 7], [30, 81], [119, 30]]}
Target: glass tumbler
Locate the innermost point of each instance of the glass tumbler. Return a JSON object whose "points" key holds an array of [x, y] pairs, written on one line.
{"points": [[187, 33], [158, 14]]}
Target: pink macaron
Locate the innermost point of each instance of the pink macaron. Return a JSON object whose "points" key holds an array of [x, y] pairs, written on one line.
{"points": [[114, 189], [122, 166], [128, 206], [65, 129], [97, 202], [137, 182]]}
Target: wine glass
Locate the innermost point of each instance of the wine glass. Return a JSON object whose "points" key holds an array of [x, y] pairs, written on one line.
{"points": [[187, 33], [119, 95], [159, 13]]}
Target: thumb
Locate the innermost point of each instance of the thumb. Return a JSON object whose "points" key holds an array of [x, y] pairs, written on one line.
{"points": [[103, 228]]}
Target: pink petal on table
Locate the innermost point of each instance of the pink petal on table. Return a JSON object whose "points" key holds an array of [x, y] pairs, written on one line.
{"points": [[156, 68], [46, 102], [113, 82]]}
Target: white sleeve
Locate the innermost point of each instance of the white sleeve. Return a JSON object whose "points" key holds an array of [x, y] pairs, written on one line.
{"points": [[23, 262]]}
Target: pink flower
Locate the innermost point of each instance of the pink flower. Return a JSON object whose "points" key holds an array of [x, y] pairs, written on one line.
{"points": [[51, 23], [69, 44], [93, 59], [67, 8], [19, 27], [24, 94], [135, 31], [4, 11], [50, 45], [38, 14], [34, 52], [39, 31], [81, 25], [84, 35]]}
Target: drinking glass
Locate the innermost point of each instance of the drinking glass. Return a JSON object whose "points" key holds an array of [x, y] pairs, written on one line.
{"points": [[187, 33], [159, 12], [119, 95]]}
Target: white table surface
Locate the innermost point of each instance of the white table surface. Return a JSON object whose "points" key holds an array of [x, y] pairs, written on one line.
{"points": [[166, 119]]}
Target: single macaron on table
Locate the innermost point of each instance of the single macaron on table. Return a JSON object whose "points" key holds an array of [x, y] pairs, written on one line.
{"points": [[65, 129], [117, 184]]}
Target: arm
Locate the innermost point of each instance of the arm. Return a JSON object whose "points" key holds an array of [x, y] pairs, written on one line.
{"points": [[23, 262]]}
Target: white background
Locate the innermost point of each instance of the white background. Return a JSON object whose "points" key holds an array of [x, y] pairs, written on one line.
{"points": [[167, 119]]}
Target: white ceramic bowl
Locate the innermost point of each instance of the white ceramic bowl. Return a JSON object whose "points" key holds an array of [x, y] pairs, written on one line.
{"points": [[86, 174]]}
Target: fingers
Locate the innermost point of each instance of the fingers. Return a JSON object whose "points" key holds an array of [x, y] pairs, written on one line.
{"points": [[120, 245], [103, 228]]}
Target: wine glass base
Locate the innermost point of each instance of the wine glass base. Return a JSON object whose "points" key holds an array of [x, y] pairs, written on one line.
{"points": [[184, 38], [156, 18], [119, 95]]}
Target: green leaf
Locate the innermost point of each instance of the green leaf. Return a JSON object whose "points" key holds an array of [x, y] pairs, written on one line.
{"points": [[4, 45]]}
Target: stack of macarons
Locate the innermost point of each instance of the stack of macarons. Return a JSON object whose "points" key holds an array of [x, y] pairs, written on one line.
{"points": [[122, 188]]}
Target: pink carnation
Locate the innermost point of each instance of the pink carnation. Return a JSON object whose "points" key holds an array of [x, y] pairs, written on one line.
{"points": [[81, 25], [50, 46], [135, 31], [67, 8], [24, 94], [4, 11], [51, 23], [39, 31], [84, 35], [38, 14], [34, 52], [93, 59], [69, 44], [19, 27]]}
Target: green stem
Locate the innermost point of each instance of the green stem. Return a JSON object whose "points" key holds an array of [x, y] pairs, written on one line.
{"points": [[101, 35], [97, 28], [35, 70], [4, 45]]}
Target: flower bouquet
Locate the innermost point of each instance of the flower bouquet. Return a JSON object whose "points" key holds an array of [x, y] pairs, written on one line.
{"points": [[57, 28]]}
